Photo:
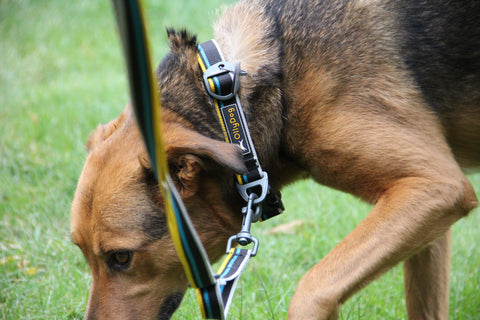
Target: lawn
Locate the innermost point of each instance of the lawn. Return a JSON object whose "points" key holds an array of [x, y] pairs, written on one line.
{"points": [[61, 74]]}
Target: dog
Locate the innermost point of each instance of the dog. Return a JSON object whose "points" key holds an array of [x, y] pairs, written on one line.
{"points": [[380, 99]]}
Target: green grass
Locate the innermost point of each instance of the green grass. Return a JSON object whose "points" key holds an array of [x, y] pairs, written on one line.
{"points": [[62, 73]]}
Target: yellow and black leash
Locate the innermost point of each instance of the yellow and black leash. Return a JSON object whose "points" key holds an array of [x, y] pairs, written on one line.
{"points": [[214, 291]]}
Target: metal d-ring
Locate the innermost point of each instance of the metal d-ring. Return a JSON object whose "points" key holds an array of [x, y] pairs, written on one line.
{"points": [[245, 189]]}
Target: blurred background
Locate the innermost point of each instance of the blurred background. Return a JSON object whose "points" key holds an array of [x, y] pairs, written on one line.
{"points": [[62, 73]]}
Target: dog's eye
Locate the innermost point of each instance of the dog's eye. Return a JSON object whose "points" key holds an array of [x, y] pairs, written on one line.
{"points": [[120, 260]]}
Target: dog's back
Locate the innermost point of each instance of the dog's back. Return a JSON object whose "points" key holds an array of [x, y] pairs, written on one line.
{"points": [[385, 49], [441, 46], [438, 41]]}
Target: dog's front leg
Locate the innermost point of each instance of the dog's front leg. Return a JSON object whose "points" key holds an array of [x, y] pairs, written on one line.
{"points": [[427, 280], [412, 213]]}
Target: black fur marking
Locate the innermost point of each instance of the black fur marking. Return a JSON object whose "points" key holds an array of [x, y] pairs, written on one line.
{"points": [[169, 306], [442, 50], [154, 223], [182, 92], [181, 38]]}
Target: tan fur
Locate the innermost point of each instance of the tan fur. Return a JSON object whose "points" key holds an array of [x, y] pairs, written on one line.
{"points": [[239, 43], [427, 274]]}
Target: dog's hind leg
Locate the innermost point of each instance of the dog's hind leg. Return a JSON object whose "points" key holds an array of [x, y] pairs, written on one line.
{"points": [[427, 281]]}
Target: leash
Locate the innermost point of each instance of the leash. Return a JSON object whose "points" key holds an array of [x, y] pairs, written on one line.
{"points": [[214, 290]]}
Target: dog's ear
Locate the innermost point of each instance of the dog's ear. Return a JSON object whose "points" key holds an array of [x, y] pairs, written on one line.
{"points": [[179, 40], [189, 154], [204, 154], [102, 132], [186, 174], [185, 141]]}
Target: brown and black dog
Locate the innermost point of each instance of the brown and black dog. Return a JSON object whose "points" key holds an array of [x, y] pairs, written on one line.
{"points": [[377, 98]]}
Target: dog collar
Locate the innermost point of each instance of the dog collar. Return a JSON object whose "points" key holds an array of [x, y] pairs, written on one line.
{"points": [[222, 82]]}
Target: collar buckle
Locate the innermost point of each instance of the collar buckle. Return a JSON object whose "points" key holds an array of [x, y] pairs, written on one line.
{"points": [[222, 68]]}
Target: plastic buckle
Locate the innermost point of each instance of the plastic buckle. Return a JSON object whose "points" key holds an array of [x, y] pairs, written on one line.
{"points": [[220, 68], [272, 206], [244, 237]]}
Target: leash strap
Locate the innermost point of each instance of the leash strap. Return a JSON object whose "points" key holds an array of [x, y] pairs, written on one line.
{"points": [[215, 291], [215, 300]]}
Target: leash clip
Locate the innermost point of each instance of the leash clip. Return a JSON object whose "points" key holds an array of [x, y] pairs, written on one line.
{"points": [[251, 214], [218, 69]]}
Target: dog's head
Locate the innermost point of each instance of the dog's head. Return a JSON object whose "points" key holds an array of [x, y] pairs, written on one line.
{"points": [[118, 219]]}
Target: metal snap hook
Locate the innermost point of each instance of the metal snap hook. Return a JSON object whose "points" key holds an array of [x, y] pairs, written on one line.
{"points": [[244, 237]]}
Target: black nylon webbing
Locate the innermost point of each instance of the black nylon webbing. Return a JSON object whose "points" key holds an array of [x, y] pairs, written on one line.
{"points": [[223, 85]]}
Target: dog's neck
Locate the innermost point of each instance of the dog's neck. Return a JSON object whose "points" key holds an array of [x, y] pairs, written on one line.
{"points": [[250, 37]]}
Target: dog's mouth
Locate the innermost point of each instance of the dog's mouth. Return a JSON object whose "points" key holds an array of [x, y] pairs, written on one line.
{"points": [[170, 305]]}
